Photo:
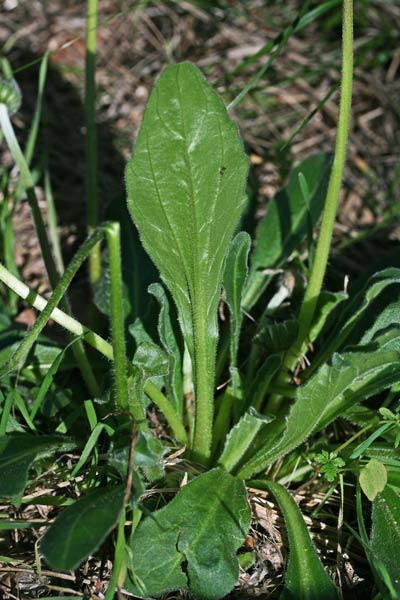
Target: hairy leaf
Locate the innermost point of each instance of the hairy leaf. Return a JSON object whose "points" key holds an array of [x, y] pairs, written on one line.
{"points": [[149, 452], [241, 436], [385, 535], [149, 361], [327, 303], [265, 374], [17, 453], [82, 527], [349, 379], [355, 310], [234, 277], [305, 577], [186, 193], [203, 526], [169, 339], [287, 222]]}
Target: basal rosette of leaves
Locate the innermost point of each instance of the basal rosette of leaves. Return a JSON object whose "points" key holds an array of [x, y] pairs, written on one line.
{"points": [[186, 195]]}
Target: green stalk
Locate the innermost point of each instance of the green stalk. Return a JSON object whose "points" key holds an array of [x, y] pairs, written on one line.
{"points": [[26, 176], [204, 375], [168, 411], [119, 558], [91, 135], [34, 130], [332, 198], [92, 338], [58, 316], [56, 297], [117, 315], [52, 221]]}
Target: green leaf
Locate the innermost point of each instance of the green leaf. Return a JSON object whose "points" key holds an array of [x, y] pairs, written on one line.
{"points": [[138, 272], [277, 337], [241, 436], [82, 527], [149, 361], [101, 290], [359, 307], [264, 376], [305, 577], [191, 543], [327, 303], [170, 341], [233, 281], [286, 223], [349, 379], [48, 379], [186, 193], [373, 478], [17, 453], [385, 535], [149, 453]]}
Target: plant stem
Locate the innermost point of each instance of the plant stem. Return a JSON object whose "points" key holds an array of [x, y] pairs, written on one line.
{"points": [[55, 298], [117, 315], [92, 338], [26, 176], [91, 135], [34, 130], [168, 411], [119, 558], [204, 375], [332, 198], [57, 315]]}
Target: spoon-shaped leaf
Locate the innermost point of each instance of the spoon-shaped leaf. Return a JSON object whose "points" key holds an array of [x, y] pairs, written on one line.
{"points": [[306, 578], [186, 193], [192, 541]]}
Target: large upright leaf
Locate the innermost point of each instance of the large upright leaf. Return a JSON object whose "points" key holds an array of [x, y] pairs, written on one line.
{"points": [[186, 193], [203, 526], [350, 378], [286, 224]]}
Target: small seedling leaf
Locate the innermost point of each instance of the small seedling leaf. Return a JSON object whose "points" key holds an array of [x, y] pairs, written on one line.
{"points": [[169, 337], [373, 478], [241, 436]]}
